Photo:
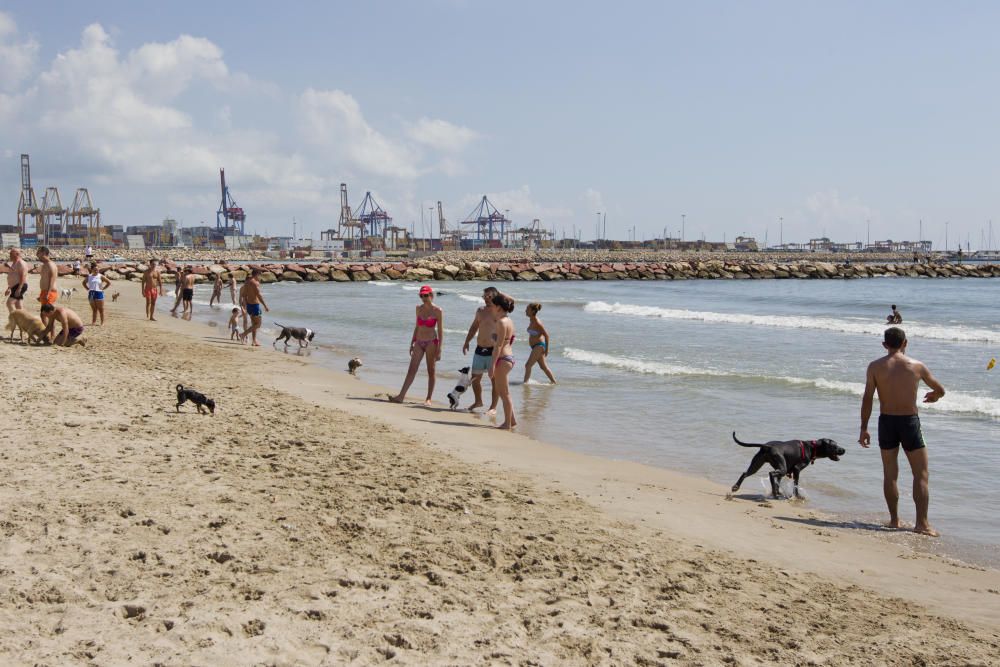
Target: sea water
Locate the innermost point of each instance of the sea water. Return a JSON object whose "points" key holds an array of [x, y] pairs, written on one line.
{"points": [[663, 372]]}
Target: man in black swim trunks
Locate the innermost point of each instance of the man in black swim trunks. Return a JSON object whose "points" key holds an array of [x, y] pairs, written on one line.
{"points": [[896, 378], [17, 281]]}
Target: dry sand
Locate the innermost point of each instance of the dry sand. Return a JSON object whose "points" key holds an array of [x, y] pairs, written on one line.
{"points": [[308, 522]]}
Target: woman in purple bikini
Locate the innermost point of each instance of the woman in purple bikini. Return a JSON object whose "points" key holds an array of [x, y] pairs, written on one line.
{"points": [[503, 357], [428, 336]]}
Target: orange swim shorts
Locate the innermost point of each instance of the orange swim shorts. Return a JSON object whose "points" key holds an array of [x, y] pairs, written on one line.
{"points": [[150, 293], [48, 297]]}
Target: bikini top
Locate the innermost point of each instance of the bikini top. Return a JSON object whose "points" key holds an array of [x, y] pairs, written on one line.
{"points": [[534, 332], [429, 322]]}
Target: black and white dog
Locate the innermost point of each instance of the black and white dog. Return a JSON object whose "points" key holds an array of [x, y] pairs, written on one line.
{"points": [[464, 380], [199, 399], [303, 335]]}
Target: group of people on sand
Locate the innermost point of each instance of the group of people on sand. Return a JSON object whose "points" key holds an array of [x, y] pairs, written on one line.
{"points": [[251, 304], [493, 355], [51, 314]]}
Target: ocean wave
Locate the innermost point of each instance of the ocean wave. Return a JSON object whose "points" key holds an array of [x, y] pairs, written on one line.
{"points": [[855, 326], [955, 402], [469, 297], [381, 283]]}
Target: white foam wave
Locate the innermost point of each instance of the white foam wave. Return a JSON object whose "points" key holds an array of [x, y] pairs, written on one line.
{"points": [[381, 283], [469, 297], [857, 326], [956, 402]]}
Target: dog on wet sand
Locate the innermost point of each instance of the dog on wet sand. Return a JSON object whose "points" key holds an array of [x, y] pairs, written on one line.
{"points": [[301, 334], [25, 323], [788, 458], [464, 380], [353, 365], [199, 399]]}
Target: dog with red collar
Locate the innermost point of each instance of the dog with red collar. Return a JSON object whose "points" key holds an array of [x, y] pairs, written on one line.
{"points": [[788, 458]]}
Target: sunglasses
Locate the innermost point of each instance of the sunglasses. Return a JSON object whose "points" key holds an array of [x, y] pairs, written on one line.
{"points": [[425, 296]]}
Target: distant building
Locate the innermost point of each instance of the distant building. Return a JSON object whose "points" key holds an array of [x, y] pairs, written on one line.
{"points": [[745, 244]]}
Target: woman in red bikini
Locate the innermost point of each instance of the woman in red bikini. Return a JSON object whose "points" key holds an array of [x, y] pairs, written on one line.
{"points": [[428, 336], [503, 357]]}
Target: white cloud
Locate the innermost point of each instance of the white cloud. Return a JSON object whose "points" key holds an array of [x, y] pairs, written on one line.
{"points": [[17, 56], [332, 122], [595, 202], [441, 135]]}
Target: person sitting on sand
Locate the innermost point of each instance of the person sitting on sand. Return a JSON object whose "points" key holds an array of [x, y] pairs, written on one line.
{"points": [[503, 356], [252, 298], [151, 286], [538, 339], [896, 378], [428, 336], [17, 281], [95, 283], [894, 317], [72, 326], [216, 290]]}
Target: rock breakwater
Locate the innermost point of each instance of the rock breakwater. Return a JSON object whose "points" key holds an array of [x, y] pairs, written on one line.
{"points": [[427, 270]]}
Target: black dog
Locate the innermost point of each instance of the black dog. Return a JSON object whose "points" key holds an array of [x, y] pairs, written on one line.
{"points": [[199, 399], [301, 334], [788, 457]]}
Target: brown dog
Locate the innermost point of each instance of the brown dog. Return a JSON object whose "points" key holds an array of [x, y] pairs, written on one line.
{"points": [[114, 297], [27, 324]]}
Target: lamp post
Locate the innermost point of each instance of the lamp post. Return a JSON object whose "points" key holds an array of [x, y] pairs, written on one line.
{"points": [[682, 226], [597, 237], [946, 236]]}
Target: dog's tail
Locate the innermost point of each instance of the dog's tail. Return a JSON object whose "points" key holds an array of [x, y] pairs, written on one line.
{"points": [[280, 325], [744, 444]]}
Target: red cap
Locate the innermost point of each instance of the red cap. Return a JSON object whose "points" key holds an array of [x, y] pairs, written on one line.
{"points": [[426, 289]]}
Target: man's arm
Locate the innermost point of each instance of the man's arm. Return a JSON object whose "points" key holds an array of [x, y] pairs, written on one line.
{"points": [[867, 400], [260, 297], [473, 330], [937, 391]]}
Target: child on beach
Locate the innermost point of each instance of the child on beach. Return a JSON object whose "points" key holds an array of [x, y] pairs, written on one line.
{"points": [[234, 327]]}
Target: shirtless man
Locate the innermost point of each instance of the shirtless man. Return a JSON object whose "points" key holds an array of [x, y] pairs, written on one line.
{"points": [[47, 293], [17, 281], [232, 286], [187, 292], [483, 328], [896, 378], [152, 286], [251, 296], [72, 325]]}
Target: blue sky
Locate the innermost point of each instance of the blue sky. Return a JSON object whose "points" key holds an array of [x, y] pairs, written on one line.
{"points": [[734, 115]]}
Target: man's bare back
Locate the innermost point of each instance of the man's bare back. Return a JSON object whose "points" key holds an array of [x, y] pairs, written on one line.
{"points": [[897, 378]]}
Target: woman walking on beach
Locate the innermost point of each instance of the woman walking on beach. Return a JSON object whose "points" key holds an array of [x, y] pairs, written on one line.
{"points": [[96, 283], [538, 339], [503, 357], [428, 336]]}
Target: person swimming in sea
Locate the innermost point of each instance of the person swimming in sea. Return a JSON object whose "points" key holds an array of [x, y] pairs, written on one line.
{"points": [[894, 317], [538, 339]]}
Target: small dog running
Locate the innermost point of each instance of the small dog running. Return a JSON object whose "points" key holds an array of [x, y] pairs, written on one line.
{"points": [[199, 399], [301, 334], [67, 293], [353, 365], [464, 380], [788, 457]]}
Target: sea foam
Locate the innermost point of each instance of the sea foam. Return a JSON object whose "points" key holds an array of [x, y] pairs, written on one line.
{"points": [[954, 402], [855, 326]]}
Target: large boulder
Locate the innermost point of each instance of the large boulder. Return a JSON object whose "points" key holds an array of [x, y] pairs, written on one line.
{"points": [[339, 276], [291, 276], [268, 277], [528, 276], [316, 277], [112, 275], [360, 276]]}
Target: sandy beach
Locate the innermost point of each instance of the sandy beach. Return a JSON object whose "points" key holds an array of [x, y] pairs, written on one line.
{"points": [[310, 522]]}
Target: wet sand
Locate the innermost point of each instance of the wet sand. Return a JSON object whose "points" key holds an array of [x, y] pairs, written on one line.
{"points": [[310, 522]]}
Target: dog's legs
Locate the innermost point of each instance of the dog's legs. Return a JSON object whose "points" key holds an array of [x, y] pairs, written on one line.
{"points": [[759, 459]]}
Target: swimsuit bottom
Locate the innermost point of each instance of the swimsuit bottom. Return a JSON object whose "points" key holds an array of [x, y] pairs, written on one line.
{"points": [[48, 297], [481, 360], [17, 291], [254, 310], [95, 295], [896, 430], [75, 332], [542, 343], [509, 358], [150, 293], [424, 343], [187, 294]]}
